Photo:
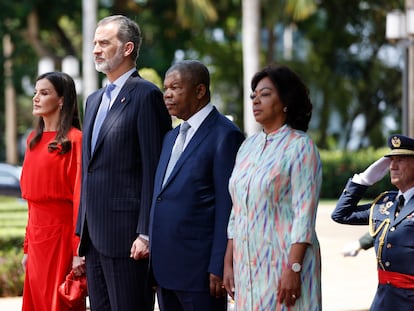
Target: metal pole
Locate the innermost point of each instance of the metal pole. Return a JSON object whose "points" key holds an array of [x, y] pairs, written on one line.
{"points": [[410, 91], [404, 102], [410, 87], [251, 50], [10, 103]]}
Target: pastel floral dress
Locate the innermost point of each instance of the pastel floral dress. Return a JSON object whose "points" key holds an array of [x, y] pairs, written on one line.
{"points": [[275, 189]]}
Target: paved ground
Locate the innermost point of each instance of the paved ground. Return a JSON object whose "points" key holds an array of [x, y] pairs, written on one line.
{"points": [[15, 304], [348, 284]]}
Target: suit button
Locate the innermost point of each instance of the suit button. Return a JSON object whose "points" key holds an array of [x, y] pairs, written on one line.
{"points": [[159, 199], [389, 245], [392, 229], [387, 264]]}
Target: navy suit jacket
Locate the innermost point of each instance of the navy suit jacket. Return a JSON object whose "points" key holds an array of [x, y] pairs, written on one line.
{"points": [[118, 177], [189, 215]]}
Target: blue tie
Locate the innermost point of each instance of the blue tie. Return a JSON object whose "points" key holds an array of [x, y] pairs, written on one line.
{"points": [[101, 115], [177, 150]]}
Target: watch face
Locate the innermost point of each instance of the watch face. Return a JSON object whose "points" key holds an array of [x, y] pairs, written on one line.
{"points": [[296, 267]]}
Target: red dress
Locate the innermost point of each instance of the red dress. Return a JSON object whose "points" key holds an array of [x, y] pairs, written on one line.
{"points": [[50, 183]]}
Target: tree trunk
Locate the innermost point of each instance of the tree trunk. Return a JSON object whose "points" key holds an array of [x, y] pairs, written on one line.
{"points": [[10, 103], [409, 4], [251, 56], [89, 74]]}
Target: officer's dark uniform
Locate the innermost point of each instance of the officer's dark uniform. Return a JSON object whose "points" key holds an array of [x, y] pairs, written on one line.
{"points": [[394, 236]]}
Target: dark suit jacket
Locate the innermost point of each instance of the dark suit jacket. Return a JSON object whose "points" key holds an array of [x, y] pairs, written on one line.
{"points": [[118, 177], [188, 233]]}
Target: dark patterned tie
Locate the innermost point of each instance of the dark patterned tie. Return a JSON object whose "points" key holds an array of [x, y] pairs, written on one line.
{"points": [[400, 204]]}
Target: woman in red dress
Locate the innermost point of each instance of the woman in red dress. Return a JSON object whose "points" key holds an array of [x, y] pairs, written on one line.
{"points": [[50, 183]]}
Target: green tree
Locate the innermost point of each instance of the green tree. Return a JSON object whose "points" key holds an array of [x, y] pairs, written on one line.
{"points": [[347, 74], [37, 29]]}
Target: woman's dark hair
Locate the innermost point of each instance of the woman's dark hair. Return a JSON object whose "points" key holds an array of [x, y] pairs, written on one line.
{"points": [[69, 114], [293, 94]]}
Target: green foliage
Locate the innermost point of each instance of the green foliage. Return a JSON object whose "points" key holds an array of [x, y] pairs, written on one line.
{"points": [[152, 76], [347, 76], [11, 273], [13, 219], [338, 167]]}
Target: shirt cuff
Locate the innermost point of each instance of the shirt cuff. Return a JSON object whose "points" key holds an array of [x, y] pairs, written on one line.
{"points": [[145, 237]]}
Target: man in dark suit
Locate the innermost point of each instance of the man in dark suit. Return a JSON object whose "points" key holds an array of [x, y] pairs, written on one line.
{"points": [[191, 203], [391, 222], [119, 163]]}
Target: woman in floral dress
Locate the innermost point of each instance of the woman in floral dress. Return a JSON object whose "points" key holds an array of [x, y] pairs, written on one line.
{"points": [[273, 257]]}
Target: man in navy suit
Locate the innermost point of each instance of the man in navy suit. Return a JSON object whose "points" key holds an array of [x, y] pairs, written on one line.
{"points": [[124, 125], [391, 222], [191, 205]]}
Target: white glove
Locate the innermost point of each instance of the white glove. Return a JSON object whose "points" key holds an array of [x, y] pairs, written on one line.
{"points": [[375, 172], [351, 249]]}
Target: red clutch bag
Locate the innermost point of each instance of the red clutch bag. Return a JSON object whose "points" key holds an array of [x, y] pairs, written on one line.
{"points": [[73, 290]]}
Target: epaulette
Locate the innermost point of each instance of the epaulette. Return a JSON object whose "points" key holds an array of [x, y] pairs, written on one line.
{"points": [[385, 197]]}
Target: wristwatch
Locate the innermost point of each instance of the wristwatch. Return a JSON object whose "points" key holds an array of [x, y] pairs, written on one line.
{"points": [[296, 267]]}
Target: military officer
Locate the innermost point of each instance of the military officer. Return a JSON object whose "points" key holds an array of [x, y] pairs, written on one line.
{"points": [[391, 222]]}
